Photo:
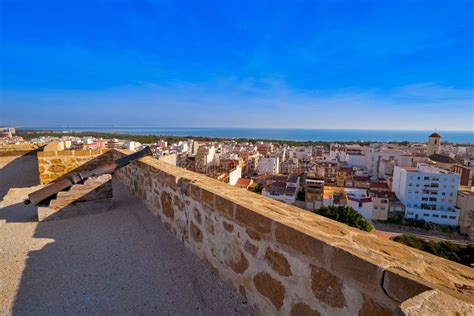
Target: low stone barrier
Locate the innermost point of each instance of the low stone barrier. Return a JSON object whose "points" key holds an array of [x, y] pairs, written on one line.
{"points": [[284, 260], [52, 165], [15, 150]]}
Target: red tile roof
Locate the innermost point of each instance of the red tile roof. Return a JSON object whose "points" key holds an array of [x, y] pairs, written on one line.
{"points": [[243, 183]]}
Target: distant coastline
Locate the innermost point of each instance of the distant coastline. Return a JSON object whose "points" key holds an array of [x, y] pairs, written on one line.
{"points": [[293, 135]]}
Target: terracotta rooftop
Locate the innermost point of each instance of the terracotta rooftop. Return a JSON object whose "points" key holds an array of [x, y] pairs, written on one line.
{"points": [[243, 183]]}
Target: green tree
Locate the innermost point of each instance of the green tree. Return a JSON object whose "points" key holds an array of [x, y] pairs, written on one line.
{"points": [[346, 215], [445, 249], [301, 195], [258, 188]]}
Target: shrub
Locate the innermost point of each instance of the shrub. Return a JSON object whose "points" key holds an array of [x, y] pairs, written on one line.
{"points": [[410, 222], [448, 250], [301, 195], [346, 215]]}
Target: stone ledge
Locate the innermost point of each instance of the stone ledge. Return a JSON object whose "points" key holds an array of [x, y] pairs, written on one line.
{"points": [[371, 264]]}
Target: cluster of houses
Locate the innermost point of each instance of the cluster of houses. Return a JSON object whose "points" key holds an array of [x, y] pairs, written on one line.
{"points": [[425, 181]]}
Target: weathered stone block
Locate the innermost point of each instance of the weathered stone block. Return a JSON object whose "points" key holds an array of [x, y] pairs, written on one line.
{"points": [[371, 307], [250, 248], [300, 242], [362, 271], [65, 153], [238, 265], [301, 309], [253, 235], [207, 199], [400, 287], [47, 154], [224, 206], [194, 192], [228, 227], [254, 220], [166, 204], [327, 288], [195, 232], [278, 262], [270, 288], [197, 215], [82, 153]]}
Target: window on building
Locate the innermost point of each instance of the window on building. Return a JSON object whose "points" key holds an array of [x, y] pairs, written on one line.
{"points": [[426, 215], [427, 178], [435, 215], [452, 217], [444, 216]]}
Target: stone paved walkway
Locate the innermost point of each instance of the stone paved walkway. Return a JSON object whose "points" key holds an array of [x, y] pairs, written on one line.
{"points": [[119, 262]]}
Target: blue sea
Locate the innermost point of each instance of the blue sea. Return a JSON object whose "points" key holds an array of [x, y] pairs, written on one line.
{"points": [[463, 137]]}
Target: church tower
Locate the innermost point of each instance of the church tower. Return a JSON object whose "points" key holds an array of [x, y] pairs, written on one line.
{"points": [[433, 144]]}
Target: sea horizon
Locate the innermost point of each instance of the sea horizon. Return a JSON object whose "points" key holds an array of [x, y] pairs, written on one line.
{"points": [[289, 134]]}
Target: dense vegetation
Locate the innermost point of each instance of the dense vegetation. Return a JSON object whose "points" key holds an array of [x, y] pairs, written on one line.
{"points": [[346, 215], [400, 220], [147, 139], [301, 195], [445, 249], [257, 188]]}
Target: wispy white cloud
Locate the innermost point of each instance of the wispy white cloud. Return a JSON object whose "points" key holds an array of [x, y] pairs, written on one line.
{"points": [[230, 102]]}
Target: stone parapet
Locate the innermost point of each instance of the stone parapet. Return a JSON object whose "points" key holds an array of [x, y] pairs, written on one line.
{"points": [[14, 150], [52, 165], [284, 260]]}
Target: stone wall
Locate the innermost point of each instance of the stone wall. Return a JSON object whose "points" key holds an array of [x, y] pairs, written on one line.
{"points": [[284, 260], [55, 164], [14, 150]]}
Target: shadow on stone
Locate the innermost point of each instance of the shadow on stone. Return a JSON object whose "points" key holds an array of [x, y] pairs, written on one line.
{"points": [[18, 171]]}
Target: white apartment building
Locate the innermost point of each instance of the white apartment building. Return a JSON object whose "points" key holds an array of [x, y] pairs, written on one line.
{"points": [[132, 145], [235, 175], [360, 201], [428, 193], [268, 165], [205, 157]]}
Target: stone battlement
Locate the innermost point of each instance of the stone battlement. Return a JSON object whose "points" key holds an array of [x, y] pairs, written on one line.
{"points": [[53, 164], [288, 261], [15, 150]]}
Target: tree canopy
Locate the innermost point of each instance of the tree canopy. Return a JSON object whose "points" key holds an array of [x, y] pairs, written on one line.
{"points": [[448, 250], [346, 215]]}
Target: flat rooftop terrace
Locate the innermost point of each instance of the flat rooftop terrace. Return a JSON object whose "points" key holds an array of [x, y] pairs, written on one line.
{"points": [[123, 261]]}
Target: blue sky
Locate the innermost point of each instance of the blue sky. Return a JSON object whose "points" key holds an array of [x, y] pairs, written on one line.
{"points": [[289, 64]]}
